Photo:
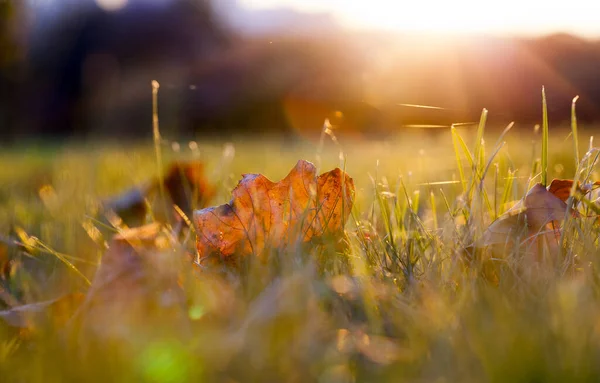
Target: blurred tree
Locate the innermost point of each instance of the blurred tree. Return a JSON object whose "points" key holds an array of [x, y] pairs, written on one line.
{"points": [[91, 67], [8, 46], [11, 58]]}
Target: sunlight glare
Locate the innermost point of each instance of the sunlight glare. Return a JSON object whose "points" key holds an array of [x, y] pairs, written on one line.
{"points": [[457, 16]]}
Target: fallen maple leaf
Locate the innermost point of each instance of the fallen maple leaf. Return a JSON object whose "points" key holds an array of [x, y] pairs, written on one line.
{"points": [[131, 205], [536, 217], [542, 207], [562, 188], [187, 186], [184, 183], [264, 215]]}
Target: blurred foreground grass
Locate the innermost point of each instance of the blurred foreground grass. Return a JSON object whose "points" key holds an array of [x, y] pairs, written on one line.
{"points": [[400, 304]]}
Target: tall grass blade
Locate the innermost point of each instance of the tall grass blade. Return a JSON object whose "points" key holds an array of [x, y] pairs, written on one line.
{"points": [[461, 172], [507, 193], [574, 129], [157, 142], [590, 148], [456, 141], [500, 139], [477, 152], [422, 106], [433, 211], [544, 139], [468, 154]]}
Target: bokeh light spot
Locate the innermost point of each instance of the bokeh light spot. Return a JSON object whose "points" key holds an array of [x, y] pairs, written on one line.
{"points": [[111, 5], [164, 362], [196, 312]]}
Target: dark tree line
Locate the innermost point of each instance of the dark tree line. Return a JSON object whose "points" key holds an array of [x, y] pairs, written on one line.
{"points": [[85, 68]]}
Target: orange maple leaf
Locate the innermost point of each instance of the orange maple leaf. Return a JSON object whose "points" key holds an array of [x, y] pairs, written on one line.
{"points": [[264, 215]]}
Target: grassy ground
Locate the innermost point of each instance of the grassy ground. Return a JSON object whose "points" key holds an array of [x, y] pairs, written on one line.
{"points": [[406, 300]]}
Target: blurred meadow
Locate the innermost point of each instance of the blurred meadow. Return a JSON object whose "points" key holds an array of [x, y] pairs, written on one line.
{"points": [[470, 253], [401, 302]]}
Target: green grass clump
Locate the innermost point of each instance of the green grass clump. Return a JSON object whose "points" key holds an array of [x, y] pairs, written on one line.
{"points": [[408, 298]]}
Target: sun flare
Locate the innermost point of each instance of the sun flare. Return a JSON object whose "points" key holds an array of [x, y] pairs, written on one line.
{"points": [[458, 16]]}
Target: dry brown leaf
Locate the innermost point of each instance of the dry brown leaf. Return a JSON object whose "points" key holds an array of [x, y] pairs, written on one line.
{"points": [[5, 260], [130, 206], [503, 230], [542, 207], [135, 288], [264, 215], [562, 188], [187, 186], [533, 220], [184, 182]]}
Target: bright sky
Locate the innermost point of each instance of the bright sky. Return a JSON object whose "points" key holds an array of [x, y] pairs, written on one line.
{"points": [[529, 17]]}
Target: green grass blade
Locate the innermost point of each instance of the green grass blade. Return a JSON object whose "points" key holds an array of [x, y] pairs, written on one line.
{"points": [[477, 152], [433, 211], [463, 145], [590, 148], [507, 193], [461, 172], [500, 139]]}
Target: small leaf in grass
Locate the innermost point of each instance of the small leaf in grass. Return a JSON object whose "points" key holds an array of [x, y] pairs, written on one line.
{"points": [[136, 288], [131, 206], [185, 184], [503, 230], [562, 188], [539, 213], [543, 207], [264, 215], [5, 260]]}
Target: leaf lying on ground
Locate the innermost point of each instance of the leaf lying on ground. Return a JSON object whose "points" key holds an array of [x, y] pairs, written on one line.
{"points": [[535, 214], [542, 207], [184, 182], [540, 212], [562, 188], [264, 215], [533, 225], [187, 186], [135, 288], [131, 205]]}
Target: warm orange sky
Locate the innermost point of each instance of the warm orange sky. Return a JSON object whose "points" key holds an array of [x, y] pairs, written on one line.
{"points": [[531, 17]]}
